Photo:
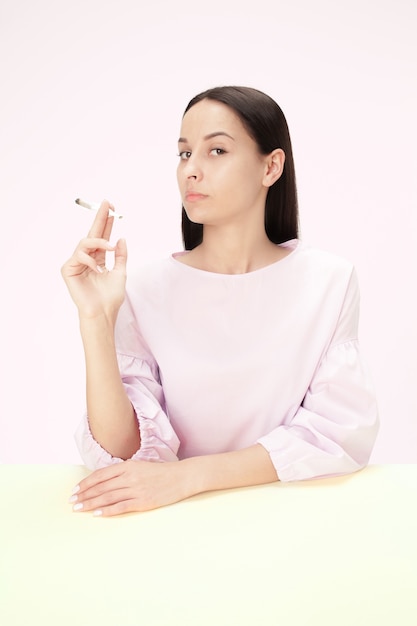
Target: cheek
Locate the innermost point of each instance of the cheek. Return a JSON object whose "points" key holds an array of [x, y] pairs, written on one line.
{"points": [[242, 179], [228, 177]]}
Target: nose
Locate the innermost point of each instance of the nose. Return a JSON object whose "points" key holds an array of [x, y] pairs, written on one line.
{"points": [[192, 169]]}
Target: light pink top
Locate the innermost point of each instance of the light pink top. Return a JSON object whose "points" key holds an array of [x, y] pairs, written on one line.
{"points": [[218, 362]]}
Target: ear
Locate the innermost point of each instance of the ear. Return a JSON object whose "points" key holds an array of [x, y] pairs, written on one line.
{"points": [[274, 167]]}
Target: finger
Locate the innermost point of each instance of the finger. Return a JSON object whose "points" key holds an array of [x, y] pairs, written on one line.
{"points": [[97, 248], [101, 221], [104, 487], [105, 499], [77, 264], [87, 246], [109, 225], [121, 508], [84, 260], [90, 253], [120, 255], [94, 243], [99, 476]]}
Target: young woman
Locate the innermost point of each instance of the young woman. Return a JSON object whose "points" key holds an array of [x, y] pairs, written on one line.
{"points": [[235, 362]]}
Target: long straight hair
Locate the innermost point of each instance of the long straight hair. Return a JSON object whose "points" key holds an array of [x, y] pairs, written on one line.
{"points": [[266, 124]]}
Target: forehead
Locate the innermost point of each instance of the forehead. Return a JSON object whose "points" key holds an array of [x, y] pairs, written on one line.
{"points": [[210, 116]]}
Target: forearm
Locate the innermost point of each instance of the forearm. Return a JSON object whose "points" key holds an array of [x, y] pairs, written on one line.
{"points": [[241, 468], [145, 485], [111, 416]]}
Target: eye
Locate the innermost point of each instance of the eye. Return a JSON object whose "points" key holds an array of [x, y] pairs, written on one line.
{"points": [[184, 155], [217, 151]]}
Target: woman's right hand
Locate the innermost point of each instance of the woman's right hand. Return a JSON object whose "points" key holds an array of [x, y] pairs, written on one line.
{"points": [[95, 290]]}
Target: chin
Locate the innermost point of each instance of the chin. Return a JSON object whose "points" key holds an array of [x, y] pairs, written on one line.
{"points": [[195, 216]]}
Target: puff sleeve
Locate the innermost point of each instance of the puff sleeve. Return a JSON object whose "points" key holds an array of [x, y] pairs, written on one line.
{"points": [[334, 429], [140, 377]]}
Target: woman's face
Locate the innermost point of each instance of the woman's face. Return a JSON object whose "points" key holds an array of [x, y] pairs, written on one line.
{"points": [[221, 173]]}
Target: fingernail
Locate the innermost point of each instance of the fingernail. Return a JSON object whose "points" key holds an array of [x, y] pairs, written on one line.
{"points": [[75, 490], [99, 269], [77, 507], [97, 513], [73, 499]]}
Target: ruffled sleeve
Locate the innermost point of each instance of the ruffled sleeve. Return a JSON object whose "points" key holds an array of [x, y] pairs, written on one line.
{"points": [[140, 377], [158, 439], [334, 430]]}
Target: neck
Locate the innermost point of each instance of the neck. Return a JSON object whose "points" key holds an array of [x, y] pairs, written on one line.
{"points": [[231, 250]]}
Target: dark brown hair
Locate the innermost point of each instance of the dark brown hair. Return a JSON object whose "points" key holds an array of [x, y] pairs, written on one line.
{"points": [[266, 124]]}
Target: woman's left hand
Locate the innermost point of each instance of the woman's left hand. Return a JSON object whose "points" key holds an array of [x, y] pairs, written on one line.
{"points": [[130, 486]]}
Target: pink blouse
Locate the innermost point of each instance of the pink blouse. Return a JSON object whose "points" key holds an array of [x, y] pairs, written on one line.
{"points": [[217, 362]]}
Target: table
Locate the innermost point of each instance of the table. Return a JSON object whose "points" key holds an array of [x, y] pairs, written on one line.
{"points": [[334, 551]]}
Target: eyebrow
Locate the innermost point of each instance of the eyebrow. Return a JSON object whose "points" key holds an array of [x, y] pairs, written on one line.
{"points": [[218, 133]]}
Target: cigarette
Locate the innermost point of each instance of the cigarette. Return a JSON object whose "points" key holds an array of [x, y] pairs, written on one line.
{"points": [[94, 206]]}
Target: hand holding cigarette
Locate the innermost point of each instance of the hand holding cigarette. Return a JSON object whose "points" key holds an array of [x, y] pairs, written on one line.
{"points": [[98, 292]]}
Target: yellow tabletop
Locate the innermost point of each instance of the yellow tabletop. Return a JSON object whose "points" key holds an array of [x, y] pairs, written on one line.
{"points": [[340, 551]]}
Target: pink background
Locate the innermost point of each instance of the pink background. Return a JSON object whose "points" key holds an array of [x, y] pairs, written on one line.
{"points": [[92, 93]]}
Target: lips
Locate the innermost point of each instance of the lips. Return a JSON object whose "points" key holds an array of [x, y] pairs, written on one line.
{"points": [[194, 196]]}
